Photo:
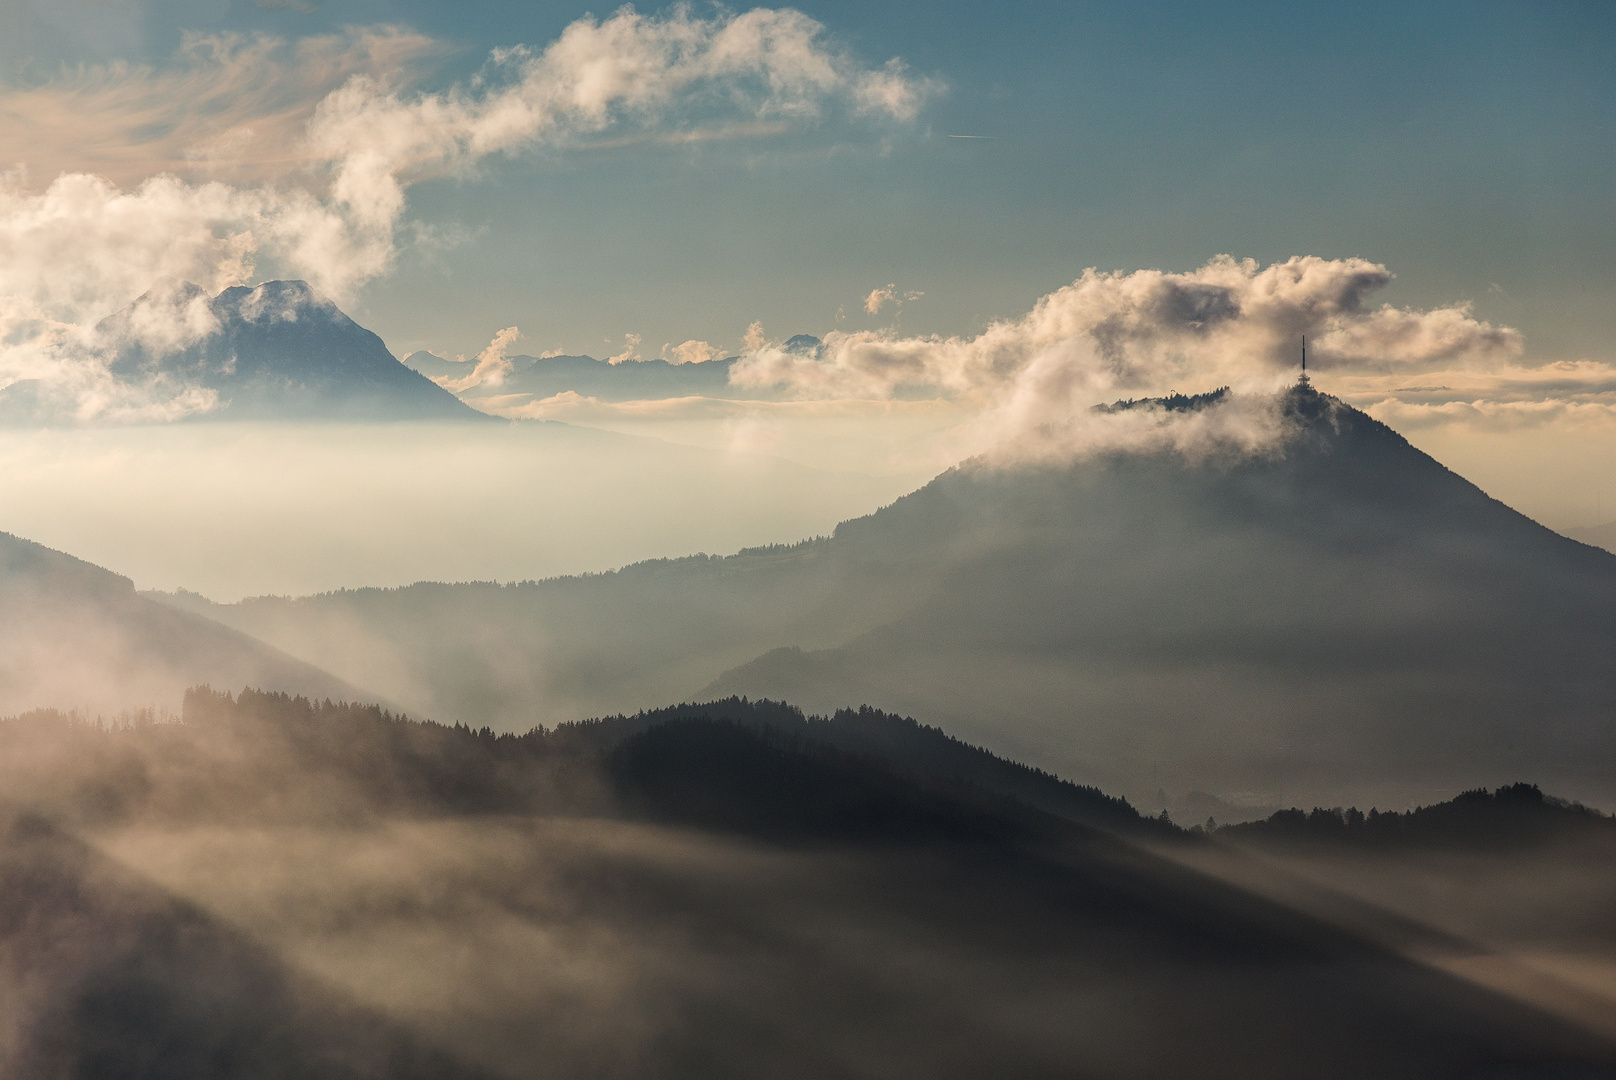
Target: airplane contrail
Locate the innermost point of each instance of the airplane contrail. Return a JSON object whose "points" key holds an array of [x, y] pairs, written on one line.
{"points": [[970, 136]]}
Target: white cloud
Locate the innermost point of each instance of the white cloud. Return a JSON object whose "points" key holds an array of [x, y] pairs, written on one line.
{"points": [[83, 246], [1146, 332], [916, 439], [492, 366], [629, 68], [631, 350], [691, 352], [883, 295], [1494, 416]]}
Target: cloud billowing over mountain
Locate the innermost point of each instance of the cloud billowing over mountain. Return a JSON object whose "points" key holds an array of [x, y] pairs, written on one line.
{"points": [[1144, 333], [280, 351]]}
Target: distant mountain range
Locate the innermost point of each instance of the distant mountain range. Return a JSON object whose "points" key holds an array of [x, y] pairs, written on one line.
{"points": [[280, 351], [631, 380], [1341, 620], [75, 636]]}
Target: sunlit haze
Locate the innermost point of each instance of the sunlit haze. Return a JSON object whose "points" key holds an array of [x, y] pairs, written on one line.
{"points": [[903, 541]]}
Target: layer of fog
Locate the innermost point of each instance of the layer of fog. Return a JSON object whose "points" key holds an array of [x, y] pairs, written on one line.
{"points": [[1556, 472], [897, 438], [271, 889], [550, 947], [1536, 924], [232, 511]]}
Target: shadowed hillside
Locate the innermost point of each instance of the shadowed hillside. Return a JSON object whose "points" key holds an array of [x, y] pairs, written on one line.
{"points": [[1601, 536]]}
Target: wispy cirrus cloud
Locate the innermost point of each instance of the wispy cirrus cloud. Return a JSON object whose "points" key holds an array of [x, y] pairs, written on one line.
{"points": [[227, 107]]}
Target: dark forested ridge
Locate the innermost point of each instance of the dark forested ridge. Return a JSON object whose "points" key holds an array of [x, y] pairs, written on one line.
{"points": [[666, 895], [912, 748], [736, 764], [1517, 816], [1338, 619], [852, 771]]}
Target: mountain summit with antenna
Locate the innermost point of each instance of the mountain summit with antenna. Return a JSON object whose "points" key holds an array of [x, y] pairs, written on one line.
{"points": [[1303, 380]]}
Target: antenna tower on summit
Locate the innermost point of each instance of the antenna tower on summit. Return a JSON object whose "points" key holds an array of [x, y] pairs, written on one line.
{"points": [[1303, 380]]}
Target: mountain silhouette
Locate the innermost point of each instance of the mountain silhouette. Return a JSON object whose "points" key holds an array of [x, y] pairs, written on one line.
{"points": [[1337, 619], [1345, 615], [1519, 816], [75, 636]]}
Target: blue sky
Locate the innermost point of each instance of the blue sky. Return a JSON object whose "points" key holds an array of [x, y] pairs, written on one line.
{"points": [[1467, 147]]}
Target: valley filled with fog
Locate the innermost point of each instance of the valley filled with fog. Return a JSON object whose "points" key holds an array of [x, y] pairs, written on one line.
{"points": [[247, 510]]}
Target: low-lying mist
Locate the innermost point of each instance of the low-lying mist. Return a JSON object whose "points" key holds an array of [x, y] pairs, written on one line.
{"points": [[1515, 891], [234, 510], [270, 888]]}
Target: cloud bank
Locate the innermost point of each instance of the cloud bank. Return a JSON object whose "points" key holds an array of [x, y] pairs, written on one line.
{"points": [[1112, 335], [253, 150]]}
